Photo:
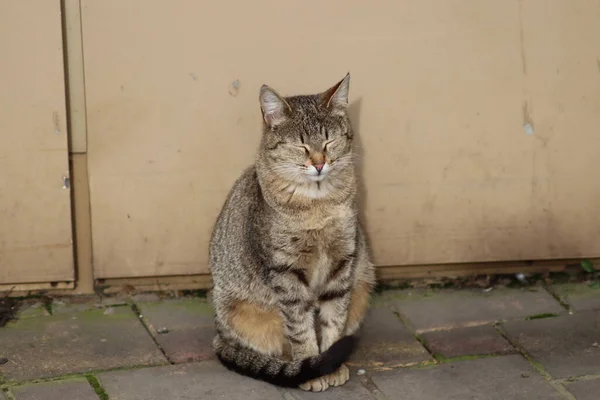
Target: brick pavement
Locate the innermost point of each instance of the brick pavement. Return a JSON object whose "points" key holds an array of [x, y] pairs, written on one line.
{"points": [[416, 344]]}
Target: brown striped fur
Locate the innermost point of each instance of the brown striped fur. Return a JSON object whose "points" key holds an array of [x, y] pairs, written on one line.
{"points": [[290, 265]]}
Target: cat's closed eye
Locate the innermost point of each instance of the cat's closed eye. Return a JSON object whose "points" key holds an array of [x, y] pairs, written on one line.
{"points": [[329, 144], [301, 148]]}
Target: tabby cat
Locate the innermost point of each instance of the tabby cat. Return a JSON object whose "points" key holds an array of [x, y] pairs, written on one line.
{"points": [[291, 273]]}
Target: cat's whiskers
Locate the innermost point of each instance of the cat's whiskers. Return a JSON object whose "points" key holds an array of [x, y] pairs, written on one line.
{"points": [[294, 180]]}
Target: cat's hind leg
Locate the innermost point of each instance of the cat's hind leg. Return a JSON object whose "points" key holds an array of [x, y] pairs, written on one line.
{"points": [[256, 327], [359, 303]]}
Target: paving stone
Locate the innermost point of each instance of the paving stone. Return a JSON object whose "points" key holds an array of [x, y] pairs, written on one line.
{"points": [[189, 328], [207, 381], [495, 378], [178, 314], [74, 304], [62, 390], [74, 343], [580, 296], [351, 390], [566, 346], [33, 310], [585, 390], [447, 309], [110, 301], [459, 342], [187, 345], [385, 341]]}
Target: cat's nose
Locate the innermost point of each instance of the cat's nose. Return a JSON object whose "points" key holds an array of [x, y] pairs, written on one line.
{"points": [[319, 167]]}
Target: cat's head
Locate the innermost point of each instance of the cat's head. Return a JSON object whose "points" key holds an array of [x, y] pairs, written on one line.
{"points": [[307, 139]]}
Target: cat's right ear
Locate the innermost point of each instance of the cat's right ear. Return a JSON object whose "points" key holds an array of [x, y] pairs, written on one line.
{"points": [[274, 108]]}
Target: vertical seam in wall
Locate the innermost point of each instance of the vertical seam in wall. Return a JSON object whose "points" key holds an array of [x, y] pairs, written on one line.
{"points": [[63, 25], [71, 14], [73, 56], [84, 100]]}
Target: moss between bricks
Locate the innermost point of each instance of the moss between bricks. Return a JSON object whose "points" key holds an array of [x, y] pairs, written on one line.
{"points": [[444, 360], [541, 316], [97, 387], [7, 393], [537, 366], [423, 343]]}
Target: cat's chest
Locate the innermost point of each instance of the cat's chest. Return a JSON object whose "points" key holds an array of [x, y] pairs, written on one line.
{"points": [[319, 250], [315, 241]]}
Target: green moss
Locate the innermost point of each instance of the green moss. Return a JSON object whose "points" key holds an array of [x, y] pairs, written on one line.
{"points": [[7, 393], [587, 266], [541, 316], [537, 366], [33, 312], [27, 324], [576, 289], [48, 305], [120, 313], [95, 384], [33, 324], [422, 341], [444, 360]]}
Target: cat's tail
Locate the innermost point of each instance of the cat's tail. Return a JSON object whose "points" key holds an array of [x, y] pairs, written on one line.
{"points": [[279, 372]]}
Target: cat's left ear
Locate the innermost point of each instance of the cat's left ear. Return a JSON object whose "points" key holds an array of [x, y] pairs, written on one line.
{"points": [[275, 109], [337, 95]]}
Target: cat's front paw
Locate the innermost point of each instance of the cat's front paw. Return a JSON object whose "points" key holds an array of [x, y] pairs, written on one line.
{"points": [[339, 377], [316, 385]]}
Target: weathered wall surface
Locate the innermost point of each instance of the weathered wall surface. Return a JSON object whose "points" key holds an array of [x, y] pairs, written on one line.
{"points": [[478, 122], [35, 213]]}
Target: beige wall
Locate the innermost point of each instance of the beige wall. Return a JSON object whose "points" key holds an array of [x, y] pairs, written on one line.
{"points": [[35, 215], [441, 95], [478, 124]]}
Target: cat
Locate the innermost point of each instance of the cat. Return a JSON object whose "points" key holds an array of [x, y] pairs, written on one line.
{"points": [[291, 272]]}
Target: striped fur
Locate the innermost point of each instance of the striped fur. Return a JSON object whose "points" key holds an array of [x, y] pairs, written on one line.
{"points": [[288, 256]]}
